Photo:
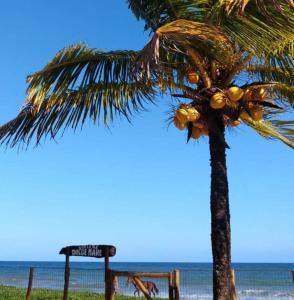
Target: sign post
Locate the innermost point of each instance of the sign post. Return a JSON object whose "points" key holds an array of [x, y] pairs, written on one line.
{"points": [[66, 278], [97, 251], [106, 274]]}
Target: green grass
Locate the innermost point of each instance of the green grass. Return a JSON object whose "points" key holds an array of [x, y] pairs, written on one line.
{"points": [[12, 293]]}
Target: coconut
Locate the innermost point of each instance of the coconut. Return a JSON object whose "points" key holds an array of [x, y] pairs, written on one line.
{"points": [[218, 101], [193, 77], [235, 93], [256, 113], [196, 133], [178, 124], [182, 115], [193, 114]]}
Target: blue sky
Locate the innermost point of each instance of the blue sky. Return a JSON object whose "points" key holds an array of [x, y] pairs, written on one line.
{"points": [[137, 186]]}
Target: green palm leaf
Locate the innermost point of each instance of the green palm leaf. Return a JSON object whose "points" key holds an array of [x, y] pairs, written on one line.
{"points": [[265, 73], [156, 13], [274, 130], [79, 83], [79, 66], [73, 108], [261, 5], [256, 32], [285, 92]]}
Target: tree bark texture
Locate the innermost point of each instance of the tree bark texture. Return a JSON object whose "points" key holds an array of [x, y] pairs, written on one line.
{"points": [[220, 212]]}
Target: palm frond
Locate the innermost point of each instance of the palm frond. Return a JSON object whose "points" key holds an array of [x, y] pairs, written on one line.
{"points": [[182, 38], [284, 92], [261, 5], [254, 32], [79, 83], [156, 13], [274, 130], [80, 66], [287, 127], [191, 28], [73, 108], [275, 68], [264, 72]]}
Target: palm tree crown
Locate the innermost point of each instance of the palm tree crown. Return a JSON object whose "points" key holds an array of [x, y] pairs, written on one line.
{"points": [[224, 42]]}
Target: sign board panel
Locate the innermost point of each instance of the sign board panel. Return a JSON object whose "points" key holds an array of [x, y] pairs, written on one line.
{"points": [[97, 251]]}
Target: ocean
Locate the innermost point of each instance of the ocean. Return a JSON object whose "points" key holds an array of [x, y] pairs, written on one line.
{"points": [[254, 281]]}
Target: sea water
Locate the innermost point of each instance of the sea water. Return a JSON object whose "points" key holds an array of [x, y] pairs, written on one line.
{"points": [[254, 281]]}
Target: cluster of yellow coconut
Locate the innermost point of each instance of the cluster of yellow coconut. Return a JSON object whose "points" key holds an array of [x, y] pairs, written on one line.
{"points": [[185, 114], [234, 94], [231, 96]]}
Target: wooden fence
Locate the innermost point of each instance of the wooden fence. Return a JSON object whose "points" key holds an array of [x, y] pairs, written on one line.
{"points": [[172, 280]]}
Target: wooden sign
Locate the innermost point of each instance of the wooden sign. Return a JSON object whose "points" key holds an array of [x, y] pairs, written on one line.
{"points": [[97, 251]]}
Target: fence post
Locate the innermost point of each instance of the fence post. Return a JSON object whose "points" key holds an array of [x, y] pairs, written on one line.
{"points": [[30, 284], [233, 285], [110, 283], [176, 284], [170, 286], [66, 278]]}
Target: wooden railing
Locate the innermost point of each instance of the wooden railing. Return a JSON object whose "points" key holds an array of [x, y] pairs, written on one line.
{"points": [[173, 282]]}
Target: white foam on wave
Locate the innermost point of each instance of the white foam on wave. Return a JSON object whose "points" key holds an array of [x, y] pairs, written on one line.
{"points": [[265, 294], [195, 297]]}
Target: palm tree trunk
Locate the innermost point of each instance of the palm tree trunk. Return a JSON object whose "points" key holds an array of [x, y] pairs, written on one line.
{"points": [[220, 212]]}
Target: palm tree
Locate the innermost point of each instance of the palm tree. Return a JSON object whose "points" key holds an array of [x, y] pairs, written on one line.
{"points": [[229, 61]]}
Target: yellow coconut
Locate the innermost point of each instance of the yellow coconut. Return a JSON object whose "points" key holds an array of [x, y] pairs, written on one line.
{"points": [[182, 115], [193, 77], [196, 133], [178, 124], [193, 114], [256, 113], [218, 101], [235, 93]]}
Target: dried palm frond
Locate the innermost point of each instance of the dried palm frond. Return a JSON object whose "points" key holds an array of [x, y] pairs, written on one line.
{"points": [[189, 39]]}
